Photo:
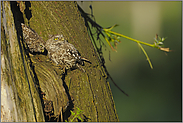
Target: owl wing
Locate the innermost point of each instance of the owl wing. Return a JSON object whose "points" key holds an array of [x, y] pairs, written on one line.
{"points": [[72, 51]]}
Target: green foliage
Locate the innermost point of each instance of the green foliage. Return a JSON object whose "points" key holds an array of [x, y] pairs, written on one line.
{"points": [[112, 38], [76, 115]]}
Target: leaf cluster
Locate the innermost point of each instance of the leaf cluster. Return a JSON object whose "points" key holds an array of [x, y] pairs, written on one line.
{"points": [[76, 115]]}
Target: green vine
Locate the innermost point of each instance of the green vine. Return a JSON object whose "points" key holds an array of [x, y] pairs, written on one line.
{"points": [[113, 38]]}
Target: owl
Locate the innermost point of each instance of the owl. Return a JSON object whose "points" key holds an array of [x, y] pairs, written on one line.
{"points": [[63, 53], [32, 39]]}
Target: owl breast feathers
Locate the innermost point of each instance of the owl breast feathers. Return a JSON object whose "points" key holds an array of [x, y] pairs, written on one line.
{"points": [[32, 39], [63, 53]]}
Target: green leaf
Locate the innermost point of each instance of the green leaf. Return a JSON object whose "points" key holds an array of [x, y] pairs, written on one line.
{"points": [[80, 118], [72, 113]]}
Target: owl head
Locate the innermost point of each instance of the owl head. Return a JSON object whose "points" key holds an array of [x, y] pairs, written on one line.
{"points": [[58, 37], [36, 45], [54, 41], [40, 47]]}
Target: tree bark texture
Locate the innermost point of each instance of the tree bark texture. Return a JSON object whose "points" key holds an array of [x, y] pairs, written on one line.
{"points": [[30, 82]]}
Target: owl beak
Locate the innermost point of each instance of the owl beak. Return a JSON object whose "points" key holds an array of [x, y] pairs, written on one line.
{"points": [[42, 51]]}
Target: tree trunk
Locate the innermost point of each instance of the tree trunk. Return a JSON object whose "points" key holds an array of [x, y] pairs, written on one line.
{"points": [[35, 90]]}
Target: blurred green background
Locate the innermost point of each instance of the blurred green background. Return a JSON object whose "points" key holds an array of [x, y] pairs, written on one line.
{"points": [[154, 94]]}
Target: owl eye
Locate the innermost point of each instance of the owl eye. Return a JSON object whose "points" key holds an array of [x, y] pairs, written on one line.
{"points": [[55, 38], [41, 46]]}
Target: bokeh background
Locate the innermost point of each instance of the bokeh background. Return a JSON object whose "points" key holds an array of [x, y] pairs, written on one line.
{"points": [[154, 94]]}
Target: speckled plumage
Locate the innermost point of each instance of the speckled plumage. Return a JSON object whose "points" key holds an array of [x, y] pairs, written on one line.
{"points": [[63, 53], [32, 39]]}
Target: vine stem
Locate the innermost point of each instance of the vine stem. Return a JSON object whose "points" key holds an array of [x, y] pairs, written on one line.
{"points": [[137, 41], [146, 55], [124, 36]]}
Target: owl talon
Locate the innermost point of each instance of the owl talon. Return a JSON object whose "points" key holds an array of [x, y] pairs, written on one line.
{"points": [[33, 62], [48, 60], [64, 69]]}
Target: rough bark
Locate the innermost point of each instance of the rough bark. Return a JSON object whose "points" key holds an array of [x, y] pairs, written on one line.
{"points": [[29, 81]]}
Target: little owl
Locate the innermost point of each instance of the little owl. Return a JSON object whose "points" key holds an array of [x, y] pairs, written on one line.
{"points": [[32, 39], [63, 53]]}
